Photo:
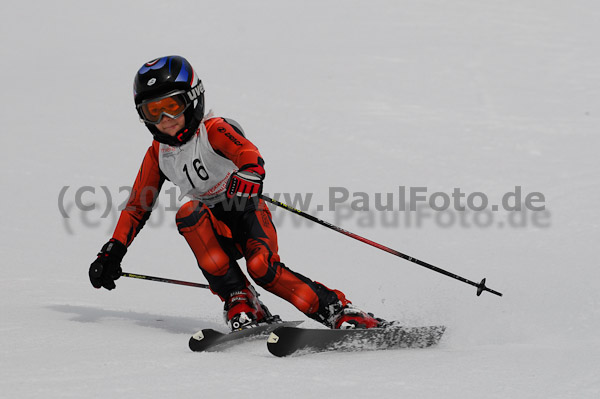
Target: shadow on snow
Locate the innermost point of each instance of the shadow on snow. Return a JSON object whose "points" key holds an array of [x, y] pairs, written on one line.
{"points": [[171, 324]]}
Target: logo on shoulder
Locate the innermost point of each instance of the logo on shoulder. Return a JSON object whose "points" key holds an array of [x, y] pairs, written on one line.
{"points": [[151, 81], [233, 139]]}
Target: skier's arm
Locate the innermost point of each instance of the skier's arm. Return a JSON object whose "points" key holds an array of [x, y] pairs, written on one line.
{"points": [[107, 266], [143, 195], [227, 141]]}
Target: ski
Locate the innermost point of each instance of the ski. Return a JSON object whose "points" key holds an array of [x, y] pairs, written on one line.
{"points": [[288, 340], [209, 340]]}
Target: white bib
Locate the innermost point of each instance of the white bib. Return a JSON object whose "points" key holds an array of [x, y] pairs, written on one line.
{"points": [[199, 172]]}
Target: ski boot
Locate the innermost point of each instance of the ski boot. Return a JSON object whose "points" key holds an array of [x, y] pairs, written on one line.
{"points": [[244, 310], [342, 315], [350, 317]]}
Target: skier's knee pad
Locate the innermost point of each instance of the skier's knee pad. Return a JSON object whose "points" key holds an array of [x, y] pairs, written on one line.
{"points": [[260, 268], [189, 215]]}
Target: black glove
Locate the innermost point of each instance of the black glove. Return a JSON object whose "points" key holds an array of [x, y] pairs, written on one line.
{"points": [[107, 267]]}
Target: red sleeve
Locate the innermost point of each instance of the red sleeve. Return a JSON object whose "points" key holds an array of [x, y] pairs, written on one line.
{"points": [[143, 195], [227, 141]]}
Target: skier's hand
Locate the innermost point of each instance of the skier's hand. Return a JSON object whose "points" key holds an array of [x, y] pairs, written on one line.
{"points": [[246, 182], [107, 267]]}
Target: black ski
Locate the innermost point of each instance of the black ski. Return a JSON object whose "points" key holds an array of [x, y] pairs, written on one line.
{"points": [[208, 340], [286, 340]]}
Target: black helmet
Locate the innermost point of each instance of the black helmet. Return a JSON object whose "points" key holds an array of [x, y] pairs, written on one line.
{"points": [[169, 77]]}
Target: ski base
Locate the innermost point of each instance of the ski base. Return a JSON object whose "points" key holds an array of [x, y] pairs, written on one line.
{"points": [[290, 340], [209, 340]]}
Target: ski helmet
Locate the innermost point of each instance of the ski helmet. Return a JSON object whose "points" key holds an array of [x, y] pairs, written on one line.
{"points": [[169, 86]]}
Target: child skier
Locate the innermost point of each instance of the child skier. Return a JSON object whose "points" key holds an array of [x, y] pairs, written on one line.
{"points": [[222, 173]]}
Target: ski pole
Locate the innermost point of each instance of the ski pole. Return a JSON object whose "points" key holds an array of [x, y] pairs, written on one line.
{"points": [[164, 280], [480, 286]]}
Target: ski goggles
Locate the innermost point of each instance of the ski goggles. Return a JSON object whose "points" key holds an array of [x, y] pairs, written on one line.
{"points": [[171, 105]]}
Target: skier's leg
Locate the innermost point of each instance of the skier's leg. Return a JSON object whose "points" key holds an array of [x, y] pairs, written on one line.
{"points": [[208, 238], [216, 254], [314, 299]]}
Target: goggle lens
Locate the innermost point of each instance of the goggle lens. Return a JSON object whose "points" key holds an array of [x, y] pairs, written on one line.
{"points": [[153, 111]]}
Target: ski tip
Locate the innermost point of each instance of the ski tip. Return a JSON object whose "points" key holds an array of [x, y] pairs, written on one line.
{"points": [[274, 345], [200, 341], [273, 339], [199, 336]]}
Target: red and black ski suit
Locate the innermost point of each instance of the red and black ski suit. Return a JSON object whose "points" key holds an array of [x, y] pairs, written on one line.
{"points": [[219, 235]]}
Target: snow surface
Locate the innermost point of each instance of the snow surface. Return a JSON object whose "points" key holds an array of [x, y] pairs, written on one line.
{"points": [[366, 95]]}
